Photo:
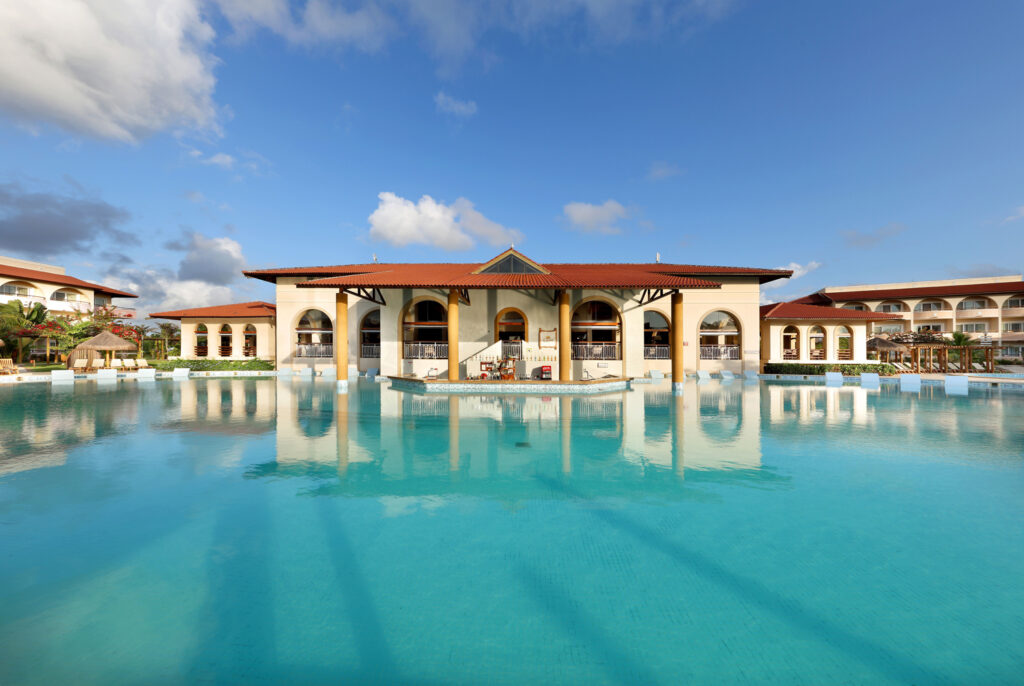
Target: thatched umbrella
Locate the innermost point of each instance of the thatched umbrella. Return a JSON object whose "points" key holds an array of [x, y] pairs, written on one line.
{"points": [[885, 345], [104, 342]]}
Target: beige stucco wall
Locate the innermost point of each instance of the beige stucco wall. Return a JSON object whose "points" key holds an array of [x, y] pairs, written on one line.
{"points": [[266, 341], [738, 296], [771, 340], [42, 292]]}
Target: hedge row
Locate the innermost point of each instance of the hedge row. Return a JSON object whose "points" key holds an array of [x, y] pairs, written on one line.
{"points": [[819, 369], [253, 365]]}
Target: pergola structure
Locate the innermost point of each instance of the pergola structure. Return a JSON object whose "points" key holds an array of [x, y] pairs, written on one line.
{"points": [[935, 357]]}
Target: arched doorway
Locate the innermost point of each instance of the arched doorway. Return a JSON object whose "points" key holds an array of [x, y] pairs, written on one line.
{"points": [[791, 343], [720, 337], [816, 343], [844, 343], [224, 341], [202, 341], [425, 331], [249, 344], [314, 335], [510, 327], [369, 335], [596, 331], [656, 336]]}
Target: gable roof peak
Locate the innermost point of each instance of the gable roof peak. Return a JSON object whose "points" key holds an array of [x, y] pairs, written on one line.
{"points": [[516, 256]]}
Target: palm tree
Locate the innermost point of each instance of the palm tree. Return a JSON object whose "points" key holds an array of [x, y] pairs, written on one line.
{"points": [[959, 339], [15, 317]]}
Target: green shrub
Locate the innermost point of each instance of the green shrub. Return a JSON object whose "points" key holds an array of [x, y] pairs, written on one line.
{"points": [[253, 365], [819, 369]]}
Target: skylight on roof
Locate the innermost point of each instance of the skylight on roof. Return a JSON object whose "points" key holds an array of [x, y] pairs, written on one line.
{"points": [[510, 264]]}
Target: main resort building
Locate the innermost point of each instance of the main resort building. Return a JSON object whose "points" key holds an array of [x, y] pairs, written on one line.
{"points": [[558, 321]]}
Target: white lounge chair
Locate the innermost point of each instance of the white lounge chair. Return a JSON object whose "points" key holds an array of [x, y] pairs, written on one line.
{"points": [[180, 372], [106, 374], [62, 376], [305, 371], [148, 374], [657, 375], [833, 378], [128, 362], [727, 375], [372, 372], [330, 371], [96, 364], [117, 363], [703, 376], [869, 380], [81, 365], [751, 375], [142, 363]]}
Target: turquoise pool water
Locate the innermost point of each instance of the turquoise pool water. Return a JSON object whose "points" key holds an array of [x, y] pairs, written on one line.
{"points": [[257, 531]]}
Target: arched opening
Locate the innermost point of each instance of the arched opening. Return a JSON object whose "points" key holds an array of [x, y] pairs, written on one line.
{"points": [[791, 343], [1016, 303], [369, 335], [968, 304], [891, 306], [425, 331], [510, 327], [20, 289], [596, 331], [932, 305], [816, 343], [249, 344], [202, 341], [314, 335], [844, 343], [68, 295], [224, 341], [656, 336], [720, 337]]}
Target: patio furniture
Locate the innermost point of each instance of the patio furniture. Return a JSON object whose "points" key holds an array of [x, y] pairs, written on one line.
{"points": [[7, 366], [833, 378], [106, 374], [703, 375], [81, 365], [657, 375], [751, 375], [128, 363], [117, 363], [62, 375], [727, 375], [910, 382], [372, 372], [869, 380], [142, 363], [96, 364], [181, 372], [956, 385]]}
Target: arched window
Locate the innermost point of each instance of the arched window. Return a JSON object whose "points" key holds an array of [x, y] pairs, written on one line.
{"points": [[20, 289], [844, 343], [596, 332], [816, 343], [656, 336], [720, 337], [1014, 302], [224, 335], [932, 305], [425, 331], [791, 343], [67, 295], [249, 346], [510, 325], [975, 304], [202, 345], [891, 306], [369, 335], [314, 335]]}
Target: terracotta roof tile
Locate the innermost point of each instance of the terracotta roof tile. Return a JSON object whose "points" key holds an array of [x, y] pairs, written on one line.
{"points": [[794, 310], [10, 271], [926, 291], [249, 310]]}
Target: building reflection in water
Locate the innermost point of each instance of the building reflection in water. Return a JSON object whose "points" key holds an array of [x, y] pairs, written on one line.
{"points": [[372, 440]]}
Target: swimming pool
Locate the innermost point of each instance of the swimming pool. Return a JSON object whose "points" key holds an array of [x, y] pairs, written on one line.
{"points": [[265, 530]]}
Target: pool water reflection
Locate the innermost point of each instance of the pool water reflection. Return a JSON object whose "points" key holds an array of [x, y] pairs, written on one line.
{"points": [[240, 530]]}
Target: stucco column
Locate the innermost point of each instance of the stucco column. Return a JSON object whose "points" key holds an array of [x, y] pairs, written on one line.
{"points": [[453, 335], [564, 344], [341, 334], [678, 375]]}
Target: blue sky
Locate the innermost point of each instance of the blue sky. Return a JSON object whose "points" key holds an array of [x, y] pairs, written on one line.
{"points": [[167, 144]]}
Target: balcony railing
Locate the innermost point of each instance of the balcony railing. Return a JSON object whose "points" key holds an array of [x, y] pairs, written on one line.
{"points": [[595, 351], [817, 354], [512, 349], [426, 351], [845, 354], [224, 351], [369, 351], [723, 352], [657, 352], [249, 351], [201, 351], [25, 299], [787, 354], [314, 350]]}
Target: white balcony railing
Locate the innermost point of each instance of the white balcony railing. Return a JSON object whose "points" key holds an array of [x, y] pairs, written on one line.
{"points": [[426, 351], [512, 349], [722, 352], [657, 352], [314, 350], [369, 351], [25, 299], [595, 351]]}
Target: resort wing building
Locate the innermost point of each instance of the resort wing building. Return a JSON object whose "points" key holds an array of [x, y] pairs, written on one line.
{"points": [[989, 309], [798, 332], [572, 321], [227, 332], [35, 282]]}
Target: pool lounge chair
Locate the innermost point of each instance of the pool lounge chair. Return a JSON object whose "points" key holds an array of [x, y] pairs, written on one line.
{"points": [[128, 363], [910, 382], [81, 365], [727, 375], [751, 375], [703, 375], [117, 363], [956, 385], [869, 380], [62, 376], [109, 374], [96, 364], [7, 366], [657, 375], [142, 363], [833, 378], [978, 367], [372, 372]]}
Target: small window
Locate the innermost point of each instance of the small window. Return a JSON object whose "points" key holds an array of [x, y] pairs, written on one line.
{"points": [[511, 265]]}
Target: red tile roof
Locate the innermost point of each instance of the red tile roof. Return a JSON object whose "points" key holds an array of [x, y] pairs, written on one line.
{"points": [[560, 275], [927, 291], [10, 271], [794, 310], [250, 310]]}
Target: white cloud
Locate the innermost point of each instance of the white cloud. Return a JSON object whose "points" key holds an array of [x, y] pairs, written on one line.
{"points": [[160, 290], [799, 271], [402, 222], [220, 159], [869, 239], [662, 170], [1017, 214], [115, 69], [449, 105], [595, 218], [315, 22]]}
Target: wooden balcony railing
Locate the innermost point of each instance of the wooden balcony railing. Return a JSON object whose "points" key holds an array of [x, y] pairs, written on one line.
{"points": [[202, 351], [224, 351]]}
